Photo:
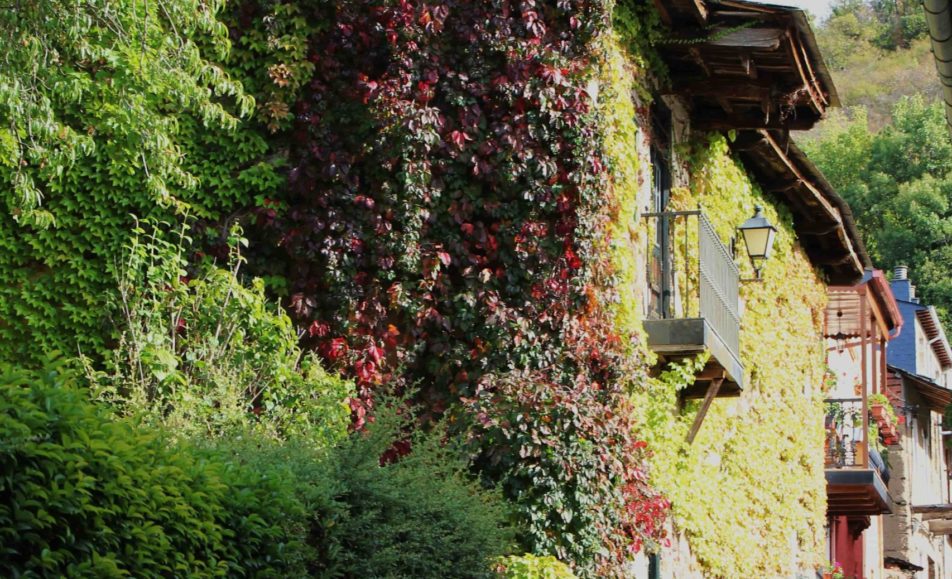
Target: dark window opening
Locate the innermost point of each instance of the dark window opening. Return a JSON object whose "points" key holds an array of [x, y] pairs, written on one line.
{"points": [[659, 267]]}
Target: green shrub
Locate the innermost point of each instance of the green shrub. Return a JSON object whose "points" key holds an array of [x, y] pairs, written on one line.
{"points": [[202, 353], [419, 515], [83, 495], [532, 567], [377, 512]]}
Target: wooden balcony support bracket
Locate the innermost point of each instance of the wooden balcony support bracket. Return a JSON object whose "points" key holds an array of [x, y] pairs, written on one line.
{"points": [[705, 406], [933, 512]]}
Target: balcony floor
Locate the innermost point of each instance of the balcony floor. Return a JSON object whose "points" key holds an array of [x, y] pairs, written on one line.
{"points": [[856, 491], [677, 339]]}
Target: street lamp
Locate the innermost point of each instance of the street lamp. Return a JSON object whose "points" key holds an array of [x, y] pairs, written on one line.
{"points": [[759, 237]]}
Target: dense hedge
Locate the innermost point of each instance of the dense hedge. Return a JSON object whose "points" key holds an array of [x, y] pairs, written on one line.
{"points": [[82, 494]]}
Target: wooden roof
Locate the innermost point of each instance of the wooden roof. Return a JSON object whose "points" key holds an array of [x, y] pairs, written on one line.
{"points": [[745, 65], [755, 69], [934, 395], [845, 310], [929, 320]]}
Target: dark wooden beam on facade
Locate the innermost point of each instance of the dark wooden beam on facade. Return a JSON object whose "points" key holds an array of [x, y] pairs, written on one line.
{"points": [[750, 68], [817, 229], [941, 509], [940, 527], [724, 88], [662, 8], [700, 12], [705, 406], [699, 60], [706, 121], [781, 185]]}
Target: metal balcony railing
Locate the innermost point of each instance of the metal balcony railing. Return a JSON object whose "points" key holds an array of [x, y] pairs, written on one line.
{"points": [[846, 444], [692, 274]]}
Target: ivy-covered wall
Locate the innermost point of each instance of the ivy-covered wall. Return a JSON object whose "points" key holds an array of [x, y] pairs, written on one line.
{"points": [[447, 201], [754, 474], [757, 456]]}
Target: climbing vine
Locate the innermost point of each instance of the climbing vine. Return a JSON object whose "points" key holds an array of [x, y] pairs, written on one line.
{"points": [[754, 474], [446, 223], [108, 110]]}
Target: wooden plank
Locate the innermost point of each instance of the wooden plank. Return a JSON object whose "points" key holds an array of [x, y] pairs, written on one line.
{"points": [[725, 88], [755, 38], [700, 12], [940, 527], [663, 11], [793, 50], [740, 121], [705, 406], [749, 66], [699, 60], [936, 508]]}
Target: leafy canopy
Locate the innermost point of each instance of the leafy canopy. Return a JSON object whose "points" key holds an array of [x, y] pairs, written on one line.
{"points": [[899, 184], [126, 68]]}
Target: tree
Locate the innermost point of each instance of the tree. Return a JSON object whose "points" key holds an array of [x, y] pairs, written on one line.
{"points": [[899, 184]]}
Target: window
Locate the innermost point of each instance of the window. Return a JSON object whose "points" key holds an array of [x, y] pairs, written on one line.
{"points": [[659, 266]]}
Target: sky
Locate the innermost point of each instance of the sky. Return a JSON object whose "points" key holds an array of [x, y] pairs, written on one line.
{"points": [[820, 8]]}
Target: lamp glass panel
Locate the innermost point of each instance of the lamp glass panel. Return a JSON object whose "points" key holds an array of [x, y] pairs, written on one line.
{"points": [[757, 241], [771, 233]]}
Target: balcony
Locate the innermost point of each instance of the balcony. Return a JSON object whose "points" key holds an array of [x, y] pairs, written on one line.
{"points": [[856, 475], [693, 299]]}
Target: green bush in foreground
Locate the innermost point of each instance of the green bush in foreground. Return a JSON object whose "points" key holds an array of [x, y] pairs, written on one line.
{"points": [[84, 494], [202, 352]]}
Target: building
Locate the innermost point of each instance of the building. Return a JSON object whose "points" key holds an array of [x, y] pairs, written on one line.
{"points": [[917, 533], [748, 471], [859, 322]]}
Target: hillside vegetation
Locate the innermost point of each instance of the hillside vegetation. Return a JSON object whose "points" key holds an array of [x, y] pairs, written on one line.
{"points": [[878, 52]]}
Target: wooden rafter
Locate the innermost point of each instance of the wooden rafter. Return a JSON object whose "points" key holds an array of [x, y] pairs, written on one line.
{"points": [[705, 406]]}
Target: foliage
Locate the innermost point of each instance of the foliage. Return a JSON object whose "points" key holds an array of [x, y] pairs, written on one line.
{"points": [[868, 67], [753, 474], [563, 452], [529, 566], [835, 570], [399, 514], [639, 28], [82, 495], [126, 69], [108, 109], [446, 215], [898, 182], [204, 354], [882, 400]]}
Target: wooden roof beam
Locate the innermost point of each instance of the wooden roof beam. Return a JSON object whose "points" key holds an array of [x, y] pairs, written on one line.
{"points": [[700, 12], [793, 49], [749, 66], [663, 12], [740, 121], [724, 88], [699, 60]]}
